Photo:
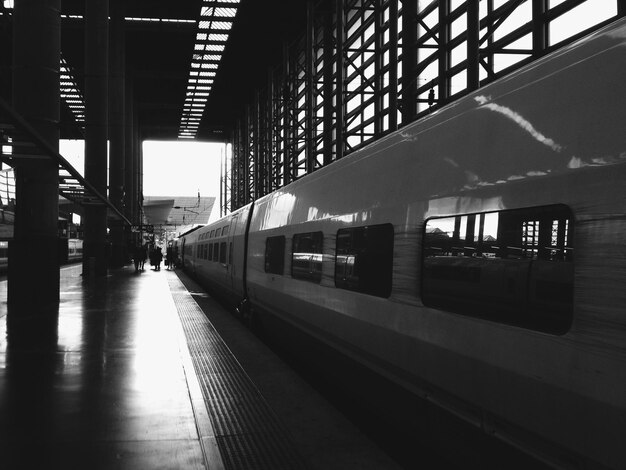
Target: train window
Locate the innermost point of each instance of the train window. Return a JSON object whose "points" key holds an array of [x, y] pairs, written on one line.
{"points": [[512, 266], [364, 260], [223, 252], [212, 233], [275, 255], [210, 258], [225, 231], [306, 257], [205, 251], [216, 251], [230, 253]]}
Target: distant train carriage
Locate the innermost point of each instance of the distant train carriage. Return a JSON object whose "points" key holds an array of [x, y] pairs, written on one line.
{"points": [[74, 250], [4, 255]]}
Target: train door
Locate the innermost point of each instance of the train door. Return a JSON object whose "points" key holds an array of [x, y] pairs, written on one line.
{"points": [[231, 264]]}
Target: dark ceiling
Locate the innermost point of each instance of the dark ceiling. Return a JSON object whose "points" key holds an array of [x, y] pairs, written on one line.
{"points": [[158, 57]]}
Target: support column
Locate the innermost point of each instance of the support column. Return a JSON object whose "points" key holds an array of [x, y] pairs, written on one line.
{"points": [[139, 164], [409, 61], [540, 27], [33, 286], [130, 166], [329, 87], [473, 42], [393, 65], [444, 52], [96, 132], [309, 111], [339, 90], [117, 127]]}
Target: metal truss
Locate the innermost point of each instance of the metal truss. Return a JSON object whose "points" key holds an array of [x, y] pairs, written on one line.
{"points": [[364, 68], [20, 143], [225, 182]]}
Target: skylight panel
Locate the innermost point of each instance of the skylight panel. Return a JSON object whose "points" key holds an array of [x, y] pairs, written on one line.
{"points": [[217, 37], [226, 12], [222, 25], [71, 94], [205, 61]]}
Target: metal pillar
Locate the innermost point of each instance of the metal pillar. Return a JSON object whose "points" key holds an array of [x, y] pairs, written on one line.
{"points": [[256, 154], [309, 107], [393, 65], [130, 166], [444, 52], [473, 41], [33, 283], [245, 160], [117, 127], [289, 122], [139, 167], [540, 27], [96, 133], [339, 80], [378, 78], [329, 60], [409, 60]]}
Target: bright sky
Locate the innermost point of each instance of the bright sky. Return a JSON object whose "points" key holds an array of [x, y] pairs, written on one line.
{"points": [[169, 168], [182, 168]]}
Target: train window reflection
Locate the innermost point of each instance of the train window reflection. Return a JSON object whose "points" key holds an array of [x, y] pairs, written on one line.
{"points": [[364, 260], [223, 252], [513, 266], [275, 255], [306, 258]]}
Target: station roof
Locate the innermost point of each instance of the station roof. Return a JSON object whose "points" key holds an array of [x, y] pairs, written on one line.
{"points": [[159, 56], [178, 211]]}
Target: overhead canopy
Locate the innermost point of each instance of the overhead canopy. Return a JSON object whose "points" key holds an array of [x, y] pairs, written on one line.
{"points": [[160, 40]]}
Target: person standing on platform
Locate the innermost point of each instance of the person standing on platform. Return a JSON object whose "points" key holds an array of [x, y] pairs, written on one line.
{"points": [[143, 256], [169, 257], [137, 254], [157, 258]]}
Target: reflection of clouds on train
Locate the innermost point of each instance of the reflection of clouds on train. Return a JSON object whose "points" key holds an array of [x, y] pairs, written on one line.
{"points": [[518, 119], [475, 258]]}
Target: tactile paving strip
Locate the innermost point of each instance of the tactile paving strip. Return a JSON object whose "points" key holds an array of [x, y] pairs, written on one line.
{"points": [[248, 433]]}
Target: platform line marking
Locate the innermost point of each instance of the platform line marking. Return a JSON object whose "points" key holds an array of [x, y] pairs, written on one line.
{"points": [[208, 442], [249, 434]]}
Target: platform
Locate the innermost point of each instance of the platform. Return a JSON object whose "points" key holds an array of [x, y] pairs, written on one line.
{"points": [[135, 373]]}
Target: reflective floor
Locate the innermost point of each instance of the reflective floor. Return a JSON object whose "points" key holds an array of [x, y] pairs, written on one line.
{"points": [[100, 383]]}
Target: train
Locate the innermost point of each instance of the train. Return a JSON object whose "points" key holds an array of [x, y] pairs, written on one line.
{"points": [[475, 258], [70, 251]]}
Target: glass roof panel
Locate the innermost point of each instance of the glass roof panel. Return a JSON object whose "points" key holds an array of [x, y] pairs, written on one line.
{"points": [[203, 67]]}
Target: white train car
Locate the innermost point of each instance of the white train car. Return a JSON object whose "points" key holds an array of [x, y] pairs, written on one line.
{"points": [[74, 250], [476, 257], [215, 253]]}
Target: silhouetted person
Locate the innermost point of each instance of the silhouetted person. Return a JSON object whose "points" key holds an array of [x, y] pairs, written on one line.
{"points": [[170, 257], [137, 255], [143, 256], [156, 258]]}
